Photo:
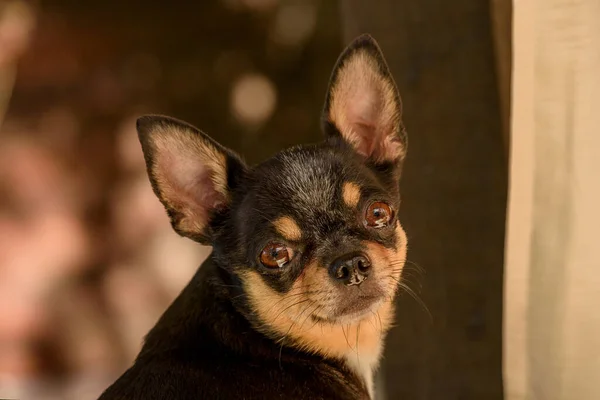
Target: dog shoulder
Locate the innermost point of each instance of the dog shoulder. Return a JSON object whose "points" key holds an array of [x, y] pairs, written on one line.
{"points": [[164, 380]]}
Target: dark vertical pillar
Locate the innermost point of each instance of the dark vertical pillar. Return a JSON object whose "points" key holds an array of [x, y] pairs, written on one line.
{"points": [[454, 195]]}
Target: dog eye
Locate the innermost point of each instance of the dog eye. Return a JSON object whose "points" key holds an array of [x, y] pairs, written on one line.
{"points": [[378, 215], [275, 255]]}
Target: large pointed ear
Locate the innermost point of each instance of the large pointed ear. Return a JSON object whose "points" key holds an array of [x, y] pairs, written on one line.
{"points": [[191, 174], [363, 105]]}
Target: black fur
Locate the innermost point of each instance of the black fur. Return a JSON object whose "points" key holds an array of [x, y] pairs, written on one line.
{"points": [[203, 348], [210, 343]]}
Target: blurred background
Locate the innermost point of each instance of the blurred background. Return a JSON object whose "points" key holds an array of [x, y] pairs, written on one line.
{"points": [[88, 260]]}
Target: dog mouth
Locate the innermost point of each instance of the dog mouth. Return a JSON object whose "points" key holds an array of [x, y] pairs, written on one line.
{"points": [[353, 307], [359, 305]]}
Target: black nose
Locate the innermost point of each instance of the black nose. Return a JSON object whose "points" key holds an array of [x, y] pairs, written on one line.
{"points": [[350, 269]]}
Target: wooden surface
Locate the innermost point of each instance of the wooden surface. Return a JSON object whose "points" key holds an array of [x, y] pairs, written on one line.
{"points": [[454, 195]]}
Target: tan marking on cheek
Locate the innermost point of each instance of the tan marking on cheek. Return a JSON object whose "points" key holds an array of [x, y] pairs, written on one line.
{"points": [[389, 262], [278, 311], [398, 255], [351, 194], [288, 228], [266, 302]]}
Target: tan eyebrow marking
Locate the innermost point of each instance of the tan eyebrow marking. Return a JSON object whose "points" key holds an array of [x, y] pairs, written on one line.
{"points": [[351, 194], [288, 228]]}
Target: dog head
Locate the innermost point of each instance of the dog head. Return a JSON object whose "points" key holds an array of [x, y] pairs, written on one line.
{"points": [[310, 236]]}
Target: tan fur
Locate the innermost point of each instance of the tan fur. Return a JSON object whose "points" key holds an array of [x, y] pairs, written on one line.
{"points": [[351, 194], [287, 316], [288, 228], [294, 322], [381, 255], [180, 154], [361, 96]]}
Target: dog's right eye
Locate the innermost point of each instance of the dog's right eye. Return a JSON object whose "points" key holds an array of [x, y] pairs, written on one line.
{"points": [[275, 255]]}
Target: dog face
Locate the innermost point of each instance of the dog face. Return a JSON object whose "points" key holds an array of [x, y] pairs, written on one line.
{"points": [[310, 238]]}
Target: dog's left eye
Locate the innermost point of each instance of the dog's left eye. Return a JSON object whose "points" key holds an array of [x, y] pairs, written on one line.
{"points": [[275, 255], [378, 215]]}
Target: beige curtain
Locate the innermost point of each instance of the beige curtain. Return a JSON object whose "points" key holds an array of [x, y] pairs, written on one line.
{"points": [[552, 287]]}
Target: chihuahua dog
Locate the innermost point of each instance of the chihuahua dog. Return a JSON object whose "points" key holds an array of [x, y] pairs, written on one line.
{"points": [[297, 295]]}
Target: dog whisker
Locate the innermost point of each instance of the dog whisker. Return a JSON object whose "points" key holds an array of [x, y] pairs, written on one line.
{"points": [[412, 294]]}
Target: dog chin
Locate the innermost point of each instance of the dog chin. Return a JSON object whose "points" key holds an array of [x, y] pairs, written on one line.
{"points": [[354, 312]]}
